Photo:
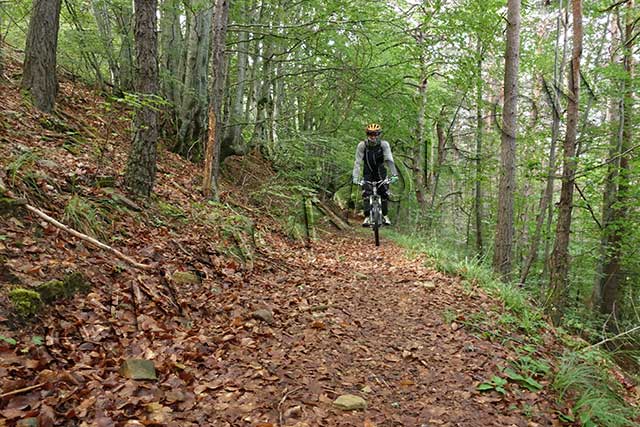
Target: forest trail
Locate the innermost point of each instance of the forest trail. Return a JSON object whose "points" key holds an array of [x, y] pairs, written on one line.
{"points": [[275, 346], [351, 318]]}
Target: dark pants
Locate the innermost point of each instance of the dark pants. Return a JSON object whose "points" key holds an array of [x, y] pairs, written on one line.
{"points": [[367, 190]]}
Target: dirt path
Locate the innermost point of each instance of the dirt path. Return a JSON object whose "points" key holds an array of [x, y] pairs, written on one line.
{"points": [[353, 319], [347, 318]]}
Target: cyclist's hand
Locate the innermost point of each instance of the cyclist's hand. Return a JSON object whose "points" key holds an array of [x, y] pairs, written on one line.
{"points": [[394, 179]]}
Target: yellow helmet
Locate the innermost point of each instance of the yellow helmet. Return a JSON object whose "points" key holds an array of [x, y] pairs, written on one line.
{"points": [[373, 128]]}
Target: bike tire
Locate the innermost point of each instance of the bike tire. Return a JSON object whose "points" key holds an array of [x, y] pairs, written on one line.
{"points": [[376, 222], [376, 234]]}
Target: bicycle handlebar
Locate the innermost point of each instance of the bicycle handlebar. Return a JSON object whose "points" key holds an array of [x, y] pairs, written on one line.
{"points": [[376, 183]]}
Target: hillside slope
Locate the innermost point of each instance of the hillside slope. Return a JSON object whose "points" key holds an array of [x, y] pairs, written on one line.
{"points": [[242, 324]]}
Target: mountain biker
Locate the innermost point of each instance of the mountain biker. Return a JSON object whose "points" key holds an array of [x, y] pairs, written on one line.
{"points": [[374, 152]]}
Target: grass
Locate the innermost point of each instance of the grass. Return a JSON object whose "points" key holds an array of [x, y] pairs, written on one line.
{"points": [[581, 379], [83, 216]]}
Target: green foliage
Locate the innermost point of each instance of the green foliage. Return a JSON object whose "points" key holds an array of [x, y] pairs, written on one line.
{"points": [[598, 402], [26, 302], [82, 215], [495, 383], [22, 162], [7, 340]]}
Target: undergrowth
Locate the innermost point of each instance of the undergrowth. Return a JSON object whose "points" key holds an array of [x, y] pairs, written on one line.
{"points": [[581, 375]]}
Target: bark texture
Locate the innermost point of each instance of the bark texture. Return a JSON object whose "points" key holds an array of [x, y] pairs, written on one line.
{"points": [[616, 227], [502, 257], [559, 265], [39, 74], [141, 166], [216, 98]]}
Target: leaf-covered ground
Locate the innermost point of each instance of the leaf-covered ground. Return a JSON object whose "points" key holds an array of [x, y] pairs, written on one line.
{"points": [[347, 319], [268, 333]]}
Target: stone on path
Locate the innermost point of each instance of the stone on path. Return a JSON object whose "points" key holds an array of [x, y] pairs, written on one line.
{"points": [[350, 402], [138, 369], [185, 277], [264, 315]]}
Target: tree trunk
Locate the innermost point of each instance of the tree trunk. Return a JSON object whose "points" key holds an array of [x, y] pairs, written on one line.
{"points": [[559, 266], [216, 93], [125, 57], [502, 257], [193, 110], [618, 228], [553, 97], [237, 112], [141, 166], [171, 47], [39, 74], [418, 149], [1, 41], [103, 22], [479, 135]]}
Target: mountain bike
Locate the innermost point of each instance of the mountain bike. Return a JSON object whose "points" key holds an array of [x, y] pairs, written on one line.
{"points": [[375, 207]]}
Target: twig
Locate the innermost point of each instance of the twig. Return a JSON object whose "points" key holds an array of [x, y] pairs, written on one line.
{"points": [[286, 394], [89, 239], [21, 390], [621, 334], [135, 296]]}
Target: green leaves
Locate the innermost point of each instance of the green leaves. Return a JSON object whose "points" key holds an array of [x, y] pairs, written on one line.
{"points": [[527, 382], [496, 383]]}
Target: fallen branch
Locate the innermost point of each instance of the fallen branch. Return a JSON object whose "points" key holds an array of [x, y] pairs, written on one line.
{"points": [[89, 239], [621, 334], [335, 219], [21, 390]]}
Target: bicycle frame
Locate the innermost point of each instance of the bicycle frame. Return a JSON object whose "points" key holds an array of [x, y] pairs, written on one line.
{"points": [[375, 208]]}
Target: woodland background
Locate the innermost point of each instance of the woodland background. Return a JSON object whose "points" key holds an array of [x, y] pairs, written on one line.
{"points": [[513, 125]]}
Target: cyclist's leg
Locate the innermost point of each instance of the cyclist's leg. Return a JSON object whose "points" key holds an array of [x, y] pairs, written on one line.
{"points": [[367, 190], [384, 194]]}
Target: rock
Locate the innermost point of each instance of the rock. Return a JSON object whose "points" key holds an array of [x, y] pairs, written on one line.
{"points": [[46, 163], [428, 285], [138, 369], [367, 389], [350, 402], [264, 315], [185, 277], [28, 422]]}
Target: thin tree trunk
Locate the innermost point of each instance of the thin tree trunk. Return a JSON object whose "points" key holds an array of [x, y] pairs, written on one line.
{"points": [[610, 190], [479, 135], [124, 21], [1, 41], [88, 56], [418, 150], [553, 96], [505, 230], [216, 92], [39, 73], [125, 58], [171, 47], [559, 277], [613, 274], [103, 22], [141, 166], [237, 111], [193, 110]]}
